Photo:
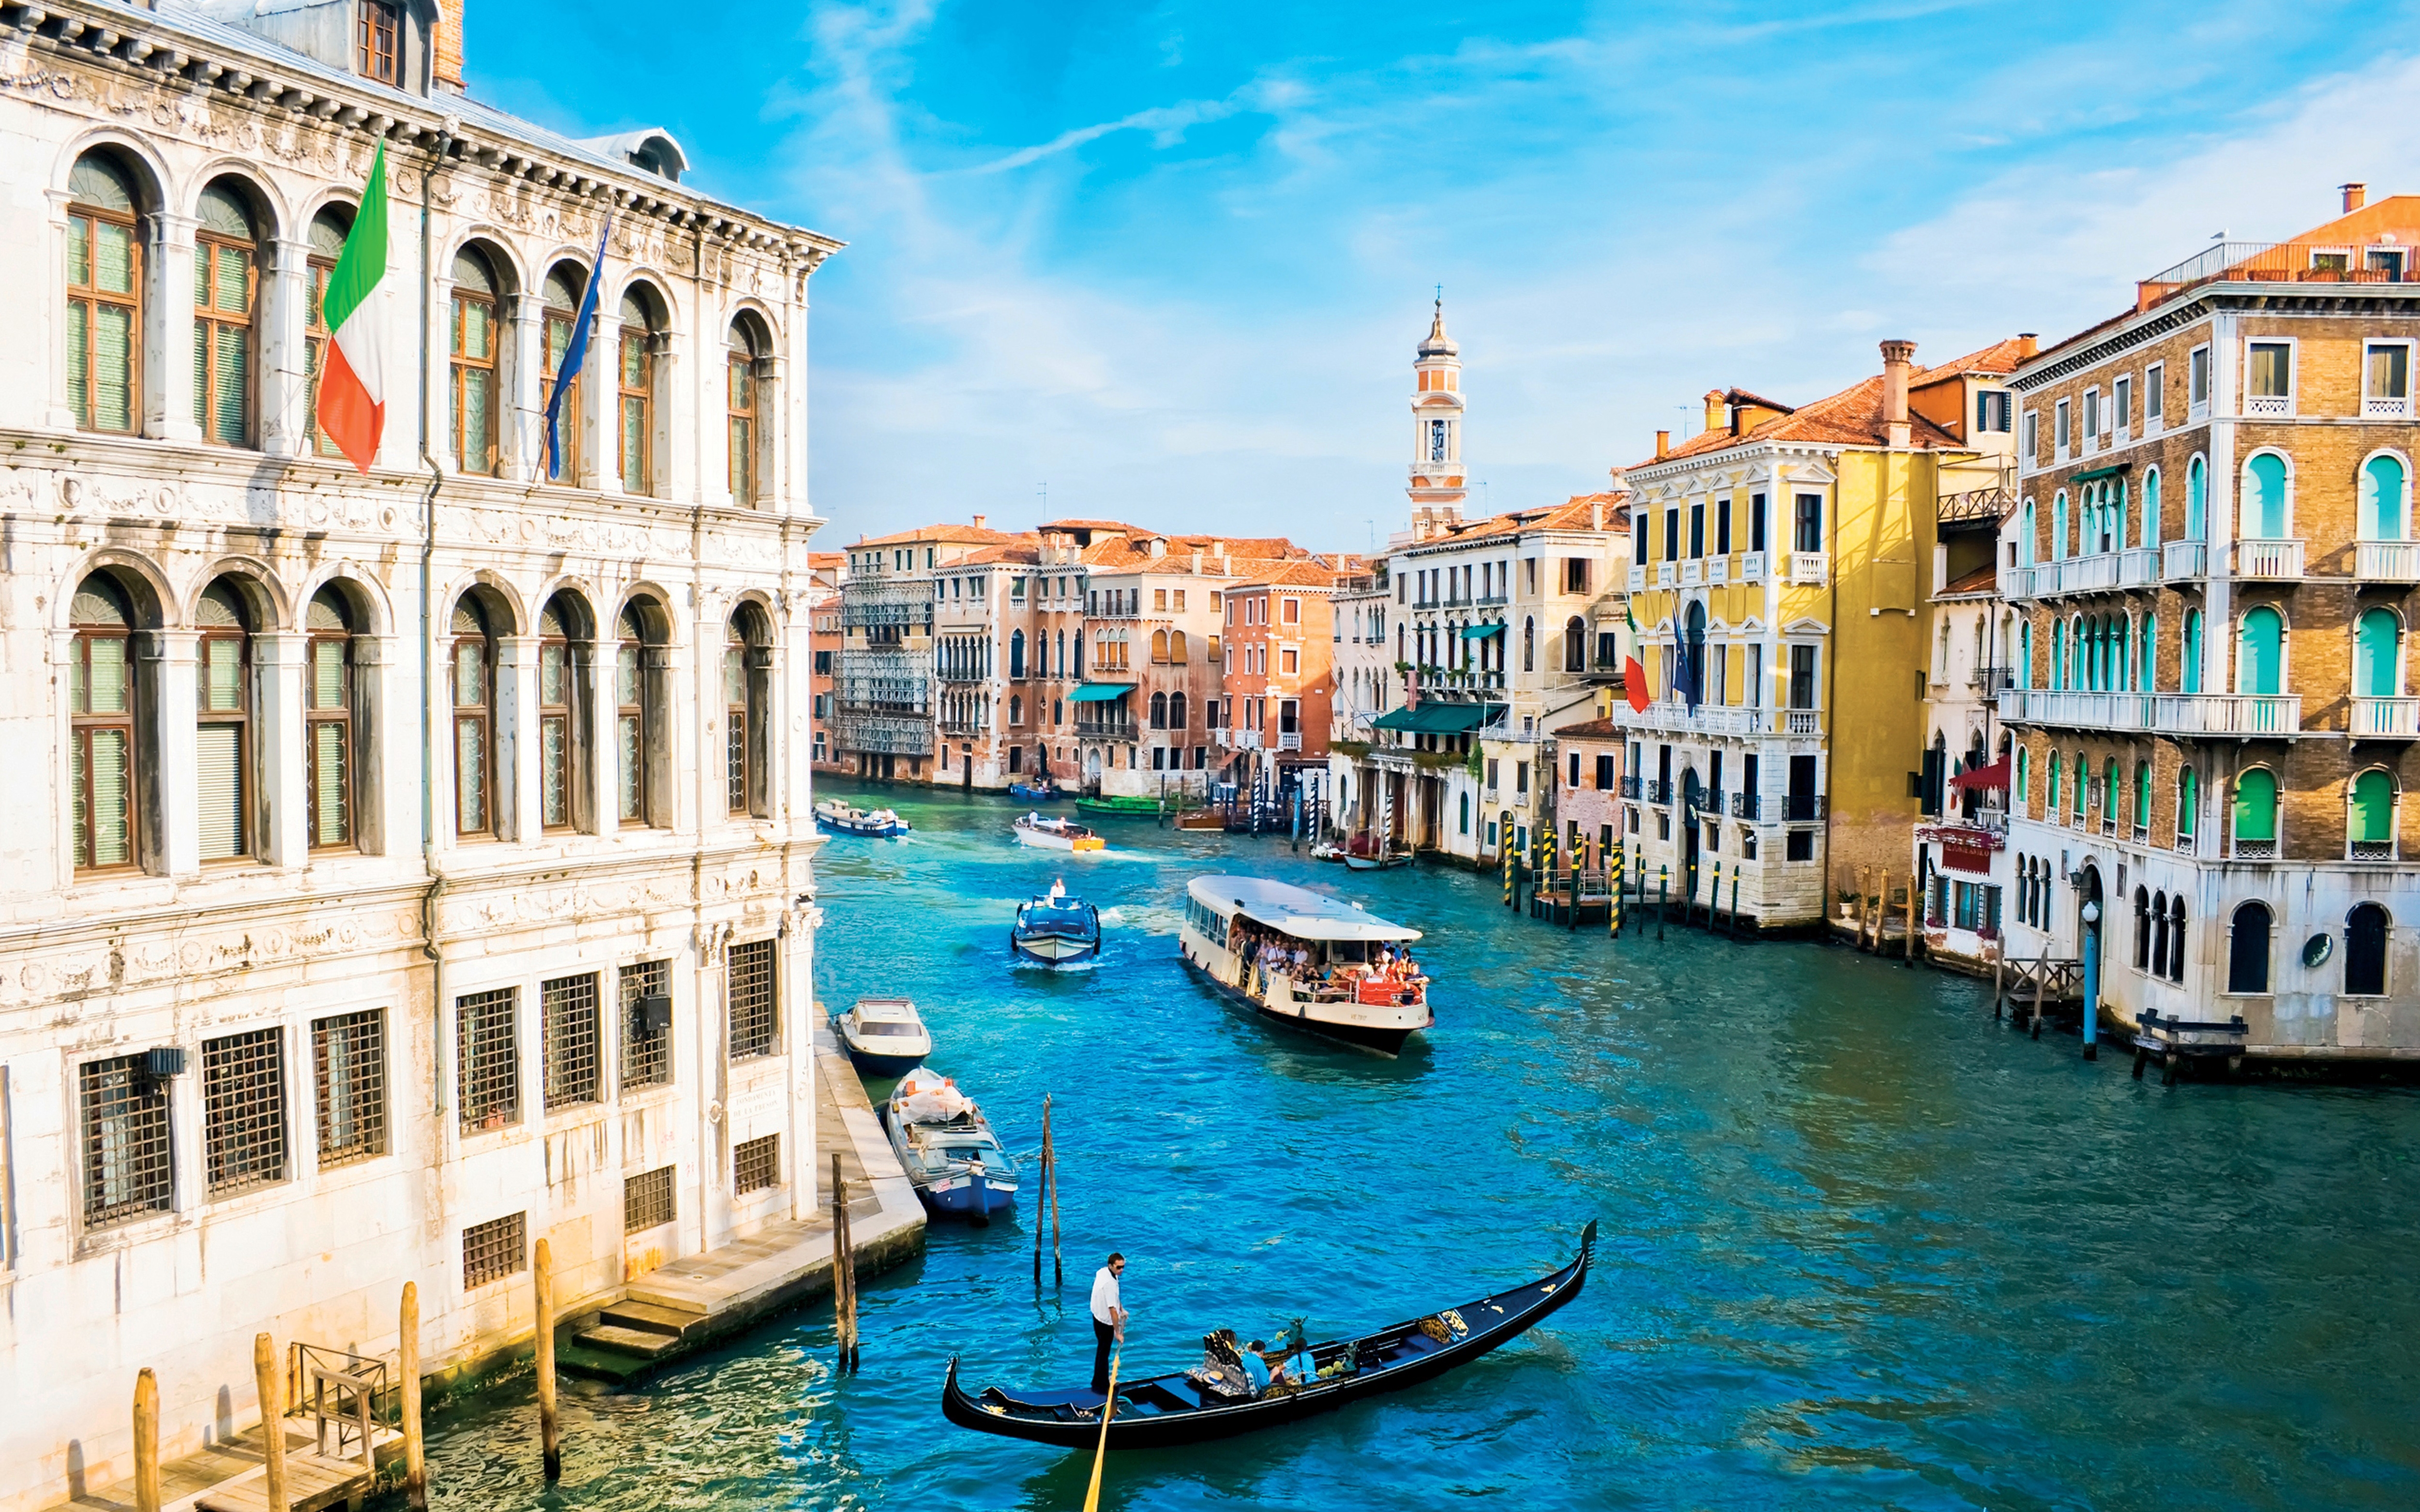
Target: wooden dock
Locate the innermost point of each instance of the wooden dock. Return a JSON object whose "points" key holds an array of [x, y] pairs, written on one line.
{"points": [[230, 1477]]}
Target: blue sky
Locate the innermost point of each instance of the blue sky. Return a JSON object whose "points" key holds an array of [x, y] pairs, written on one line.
{"points": [[1172, 260]]}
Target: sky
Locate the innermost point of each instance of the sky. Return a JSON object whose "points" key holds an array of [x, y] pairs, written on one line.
{"points": [[1168, 263]]}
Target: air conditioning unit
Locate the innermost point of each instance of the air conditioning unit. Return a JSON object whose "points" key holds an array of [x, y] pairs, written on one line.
{"points": [[656, 1013], [163, 1061]]}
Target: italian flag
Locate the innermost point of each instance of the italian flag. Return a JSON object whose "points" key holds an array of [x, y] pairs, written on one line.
{"points": [[1633, 676], [352, 385]]}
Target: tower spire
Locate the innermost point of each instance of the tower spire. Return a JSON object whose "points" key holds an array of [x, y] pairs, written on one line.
{"points": [[1437, 488]]}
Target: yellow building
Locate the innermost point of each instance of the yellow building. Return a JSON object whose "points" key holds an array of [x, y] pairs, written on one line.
{"points": [[1782, 561]]}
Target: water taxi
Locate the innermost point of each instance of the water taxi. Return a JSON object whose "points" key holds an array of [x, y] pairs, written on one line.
{"points": [[883, 1036], [951, 1156], [1343, 987], [1057, 834], [845, 818], [1055, 930]]}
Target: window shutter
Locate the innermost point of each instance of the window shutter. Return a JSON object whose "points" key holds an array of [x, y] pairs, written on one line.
{"points": [[470, 775], [219, 763], [79, 359], [328, 817], [327, 675], [229, 383], [626, 728], [554, 736]]}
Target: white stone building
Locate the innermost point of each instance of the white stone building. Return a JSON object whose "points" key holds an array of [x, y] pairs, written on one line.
{"points": [[396, 868]]}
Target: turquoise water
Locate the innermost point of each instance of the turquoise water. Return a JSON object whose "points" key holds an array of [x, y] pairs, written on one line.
{"points": [[1861, 1247]]}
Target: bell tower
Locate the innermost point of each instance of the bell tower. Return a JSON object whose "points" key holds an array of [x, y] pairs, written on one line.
{"points": [[1437, 487]]}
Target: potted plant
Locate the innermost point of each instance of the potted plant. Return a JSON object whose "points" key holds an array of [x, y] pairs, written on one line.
{"points": [[1847, 897]]}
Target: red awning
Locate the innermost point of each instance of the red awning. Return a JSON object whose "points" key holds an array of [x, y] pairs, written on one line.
{"points": [[1994, 778]]}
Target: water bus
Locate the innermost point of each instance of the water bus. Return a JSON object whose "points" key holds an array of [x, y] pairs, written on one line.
{"points": [[1342, 988]]}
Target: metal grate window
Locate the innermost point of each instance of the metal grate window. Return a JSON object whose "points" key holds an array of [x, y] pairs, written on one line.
{"points": [[570, 1006], [243, 1110], [488, 1059], [646, 1053], [349, 1062], [647, 1200], [754, 1016], [756, 1164], [494, 1249], [126, 1170]]}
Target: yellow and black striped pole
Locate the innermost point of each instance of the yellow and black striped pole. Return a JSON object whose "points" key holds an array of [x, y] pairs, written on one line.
{"points": [[1613, 909], [1505, 846]]}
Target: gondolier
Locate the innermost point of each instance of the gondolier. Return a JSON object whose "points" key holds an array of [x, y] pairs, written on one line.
{"points": [[1108, 1318]]}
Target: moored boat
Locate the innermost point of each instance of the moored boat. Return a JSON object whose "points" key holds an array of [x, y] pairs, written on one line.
{"points": [[1307, 961], [1055, 930], [1056, 834], [845, 818], [951, 1155], [883, 1036], [1375, 853], [1207, 1402], [1037, 790]]}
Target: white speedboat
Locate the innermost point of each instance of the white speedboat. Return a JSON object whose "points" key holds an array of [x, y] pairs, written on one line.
{"points": [[1055, 930], [1056, 834], [842, 818], [1307, 961], [883, 1036]]}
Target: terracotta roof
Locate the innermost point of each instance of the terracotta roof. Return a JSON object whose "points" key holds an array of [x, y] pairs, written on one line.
{"points": [[1983, 580], [963, 534], [1999, 357], [1597, 729], [1572, 513], [1853, 417], [825, 559], [1292, 575], [1012, 552]]}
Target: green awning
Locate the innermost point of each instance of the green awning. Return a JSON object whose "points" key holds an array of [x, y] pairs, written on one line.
{"points": [[2101, 472], [1100, 692], [1435, 719], [1482, 632]]}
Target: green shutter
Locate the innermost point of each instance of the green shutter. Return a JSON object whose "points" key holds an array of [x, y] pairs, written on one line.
{"points": [[2255, 806], [2373, 807], [329, 821]]}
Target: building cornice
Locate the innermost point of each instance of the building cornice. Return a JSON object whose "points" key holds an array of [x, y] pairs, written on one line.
{"points": [[2304, 301]]}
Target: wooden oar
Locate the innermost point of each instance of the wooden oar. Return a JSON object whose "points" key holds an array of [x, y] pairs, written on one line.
{"points": [[1109, 1406]]}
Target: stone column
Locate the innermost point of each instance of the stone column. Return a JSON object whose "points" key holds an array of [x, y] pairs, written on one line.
{"points": [[168, 405], [57, 412], [516, 813], [284, 359], [279, 691], [176, 842], [523, 440]]}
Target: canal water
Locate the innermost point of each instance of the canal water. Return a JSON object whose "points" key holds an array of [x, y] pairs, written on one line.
{"points": [[1862, 1248]]}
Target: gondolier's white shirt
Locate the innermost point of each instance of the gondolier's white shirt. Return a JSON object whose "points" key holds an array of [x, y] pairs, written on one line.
{"points": [[1105, 1296]]}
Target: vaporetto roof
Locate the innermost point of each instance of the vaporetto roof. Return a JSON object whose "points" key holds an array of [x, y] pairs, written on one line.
{"points": [[1293, 910]]}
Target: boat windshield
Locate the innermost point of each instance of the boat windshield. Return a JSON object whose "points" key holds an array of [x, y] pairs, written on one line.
{"points": [[875, 1028]]}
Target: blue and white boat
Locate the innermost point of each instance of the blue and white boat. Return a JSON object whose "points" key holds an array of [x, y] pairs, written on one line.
{"points": [[1037, 790], [951, 1156], [845, 818], [1055, 930]]}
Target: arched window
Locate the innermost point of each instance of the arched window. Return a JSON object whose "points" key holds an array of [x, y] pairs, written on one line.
{"points": [[2260, 652], [473, 384], [328, 741], [1176, 647], [745, 354], [2025, 654], [223, 718], [747, 669], [2196, 499], [2142, 796], [1576, 646], [2146, 657], [2151, 507], [2051, 811], [2021, 794], [104, 301], [2376, 638], [2025, 538], [1692, 667], [101, 701], [1159, 711], [1466, 813], [562, 743], [328, 230], [2383, 510], [1016, 716], [1529, 644], [2109, 793], [2159, 935], [1016, 654], [475, 750], [2365, 968], [2057, 656], [227, 279], [633, 708], [2058, 527], [2256, 812], [2187, 800], [2189, 655], [565, 285], [2082, 782], [2177, 938], [1160, 645], [635, 393], [2264, 497], [2142, 929], [2247, 950], [1176, 711], [2369, 816]]}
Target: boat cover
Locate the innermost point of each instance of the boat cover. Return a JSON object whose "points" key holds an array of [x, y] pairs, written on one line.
{"points": [[1297, 912]]}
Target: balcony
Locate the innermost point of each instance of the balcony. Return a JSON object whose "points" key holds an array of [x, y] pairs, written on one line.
{"points": [[2385, 719], [1976, 506], [1289, 740], [2167, 714], [1497, 600], [1802, 808], [1658, 791], [2075, 709], [1246, 739], [2269, 560], [2138, 566], [2387, 562], [1748, 806], [1809, 569], [1752, 568], [2183, 560], [1630, 787], [1106, 729]]}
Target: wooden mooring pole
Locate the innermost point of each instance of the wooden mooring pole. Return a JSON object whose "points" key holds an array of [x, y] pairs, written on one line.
{"points": [[1041, 1186], [1663, 900], [146, 1441], [270, 1381], [548, 1429], [1999, 960], [415, 1464], [843, 1274], [2041, 975], [1058, 1271]]}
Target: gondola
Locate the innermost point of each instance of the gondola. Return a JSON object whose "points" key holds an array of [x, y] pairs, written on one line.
{"points": [[1162, 1411]]}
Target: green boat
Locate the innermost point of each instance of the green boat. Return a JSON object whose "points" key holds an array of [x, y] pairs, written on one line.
{"points": [[1147, 806]]}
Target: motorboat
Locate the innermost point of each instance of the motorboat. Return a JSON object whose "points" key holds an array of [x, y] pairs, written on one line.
{"points": [[1328, 850], [1375, 853], [1057, 834], [1037, 790], [883, 1036], [1201, 819], [1210, 1401], [951, 1156], [1055, 930], [1306, 960], [845, 818]]}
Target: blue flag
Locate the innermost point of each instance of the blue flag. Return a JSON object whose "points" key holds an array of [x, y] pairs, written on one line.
{"points": [[575, 353]]}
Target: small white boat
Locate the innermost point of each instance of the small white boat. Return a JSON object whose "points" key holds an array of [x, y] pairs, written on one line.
{"points": [[948, 1151], [883, 1036], [842, 818], [1057, 834]]}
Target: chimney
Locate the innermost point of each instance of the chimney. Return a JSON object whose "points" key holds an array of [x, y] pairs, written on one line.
{"points": [[1663, 444], [2028, 345], [1897, 358], [2355, 196], [1596, 514], [979, 520], [445, 45], [1715, 416]]}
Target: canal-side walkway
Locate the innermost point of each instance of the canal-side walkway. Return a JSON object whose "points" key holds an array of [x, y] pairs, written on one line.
{"points": [[232, 1475]]}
